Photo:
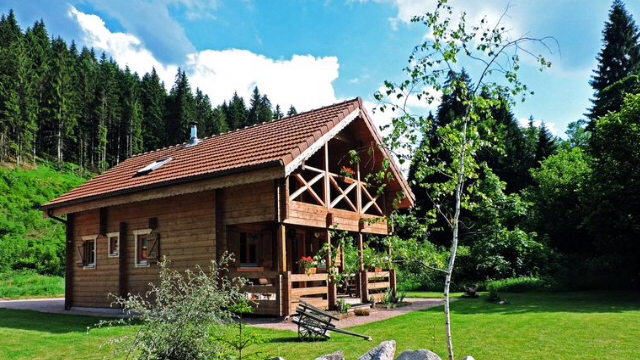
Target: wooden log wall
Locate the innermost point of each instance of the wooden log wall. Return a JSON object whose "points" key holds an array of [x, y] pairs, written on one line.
{"points": [[187, 227]]}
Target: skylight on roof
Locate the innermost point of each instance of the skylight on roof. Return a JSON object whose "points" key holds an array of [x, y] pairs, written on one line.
{"points": [[153, 166]]}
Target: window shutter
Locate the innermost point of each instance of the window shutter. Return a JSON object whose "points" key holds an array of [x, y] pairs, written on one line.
{"points": [[154, 250], [82, 251], [267, 248], [233, 244]]}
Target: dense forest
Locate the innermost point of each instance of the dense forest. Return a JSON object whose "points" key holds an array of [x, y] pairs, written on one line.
{"points": [[567, 211], [65, 104], [563, 210]]}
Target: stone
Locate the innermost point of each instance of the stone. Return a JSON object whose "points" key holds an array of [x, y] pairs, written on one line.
{"points": [[338, 355], [385, 351], [468, 358], [419, 355]]}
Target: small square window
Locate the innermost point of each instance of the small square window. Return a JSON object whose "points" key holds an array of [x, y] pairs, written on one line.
{"points": [[89, 252], [113, 242], [144, 244]]}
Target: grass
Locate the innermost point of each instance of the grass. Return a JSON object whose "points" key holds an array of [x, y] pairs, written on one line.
{"points": [[430, 294], [532, 326], [17, 285]]}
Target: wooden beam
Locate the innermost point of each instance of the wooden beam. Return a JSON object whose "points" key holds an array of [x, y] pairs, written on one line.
{"points": [[70, 249], [248, 177], [123, 276], [359, 191], [327, 194], [221, 234], [332, 293], [281, 238], [343, 194], [306, 186]]}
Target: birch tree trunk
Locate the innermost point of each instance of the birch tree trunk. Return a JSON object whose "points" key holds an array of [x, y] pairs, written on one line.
{"points": [[454, 242]]}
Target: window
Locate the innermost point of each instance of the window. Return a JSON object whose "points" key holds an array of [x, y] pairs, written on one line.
{"points": [[248, 249], [88, 252], [153, 166], [147, 247], [113, 243]]}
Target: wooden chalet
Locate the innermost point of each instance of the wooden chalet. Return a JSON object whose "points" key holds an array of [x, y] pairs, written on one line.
{"points": [[270, 194]]}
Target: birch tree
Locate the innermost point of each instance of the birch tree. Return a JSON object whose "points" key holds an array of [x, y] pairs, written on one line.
{"points": [[492, 57]]}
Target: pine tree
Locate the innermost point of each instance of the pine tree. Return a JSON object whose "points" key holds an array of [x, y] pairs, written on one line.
{"points": [[277, 113], [204, 114], [180, 110], [265, 113], [546, 145], [292, 111], [619, 57], [131, 121], [219, 122], [154, 97], [86, 84], [237, 113], [38, 49], [254, 107]]}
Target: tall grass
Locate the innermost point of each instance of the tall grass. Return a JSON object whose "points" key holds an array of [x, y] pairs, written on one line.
{"points": [[23, 284]]}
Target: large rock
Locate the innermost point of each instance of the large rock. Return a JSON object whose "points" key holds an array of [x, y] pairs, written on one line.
{"points": [[419, 355], [385, 351], [338, 355], [468, 358]]}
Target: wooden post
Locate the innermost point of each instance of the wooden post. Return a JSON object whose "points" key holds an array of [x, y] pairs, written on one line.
{"points": [[68, 279], [361, 250], [327, 192], [332, 290], [392, 283], [359, 190], [364, 286], [123, 278], [221, 234], [286, 293], [281, 238]]}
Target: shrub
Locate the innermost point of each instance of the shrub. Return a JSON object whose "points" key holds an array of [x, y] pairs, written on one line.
{"points": [[176, 315], [520, 284]]}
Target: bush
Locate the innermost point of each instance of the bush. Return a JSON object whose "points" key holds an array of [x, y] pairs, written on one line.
{"points": [[176, 316], [520, 284]]}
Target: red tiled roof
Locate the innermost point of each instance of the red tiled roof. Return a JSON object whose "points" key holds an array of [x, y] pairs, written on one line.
{"points": [[273, 143]]}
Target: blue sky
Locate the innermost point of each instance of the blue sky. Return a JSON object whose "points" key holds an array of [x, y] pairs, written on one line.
{"points": [[312, 53]]}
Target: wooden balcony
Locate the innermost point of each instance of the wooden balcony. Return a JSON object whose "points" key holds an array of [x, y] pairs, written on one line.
{"points": [[320, 198]]}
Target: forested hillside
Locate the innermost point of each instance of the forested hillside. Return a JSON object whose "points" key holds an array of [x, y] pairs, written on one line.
{"points": [[66, 104], [27, 239]]}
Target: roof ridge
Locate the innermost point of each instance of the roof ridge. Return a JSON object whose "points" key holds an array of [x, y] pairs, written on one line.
{"points": [[248, 127]]}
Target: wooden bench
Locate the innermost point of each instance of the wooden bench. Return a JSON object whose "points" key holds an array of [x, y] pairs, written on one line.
{"points": [[315, 324]]}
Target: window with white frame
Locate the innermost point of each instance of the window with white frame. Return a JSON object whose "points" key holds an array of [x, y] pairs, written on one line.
{"points": [[147, 247], [88, 252], [113, 244]]}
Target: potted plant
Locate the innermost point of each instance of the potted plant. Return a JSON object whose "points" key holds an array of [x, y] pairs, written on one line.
{"points": [[347, 174], [308, 264]]}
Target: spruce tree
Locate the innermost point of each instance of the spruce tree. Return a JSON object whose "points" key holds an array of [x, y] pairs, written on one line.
{"points": [[204, 113], [265, 113], [254, 107], [277, 113], [86, 84], [153, 100], [292, 111], [619, 57], [546, 145], [237, 113], [180, 110], [219, 122]]}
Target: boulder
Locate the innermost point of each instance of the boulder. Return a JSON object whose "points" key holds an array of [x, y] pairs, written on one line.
{"points": [[385, 351], [338, 355], [468, 358], [419, 355]]}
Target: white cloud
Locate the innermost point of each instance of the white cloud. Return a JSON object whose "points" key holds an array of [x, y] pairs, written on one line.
{"points": [[126, 49], [524, 122], [304, 81]]}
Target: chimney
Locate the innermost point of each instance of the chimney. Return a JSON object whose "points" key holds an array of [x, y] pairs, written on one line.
{"points": [[194, 135]]}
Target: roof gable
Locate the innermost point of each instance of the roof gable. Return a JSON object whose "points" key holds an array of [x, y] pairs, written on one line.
{"points": [[285, 143]]}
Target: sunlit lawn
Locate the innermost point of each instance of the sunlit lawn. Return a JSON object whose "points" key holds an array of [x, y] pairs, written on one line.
{"points": [[531, 326]]}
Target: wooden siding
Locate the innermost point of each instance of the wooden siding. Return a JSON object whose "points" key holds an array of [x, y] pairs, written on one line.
{"points": [[250, 203], [186, 224]]}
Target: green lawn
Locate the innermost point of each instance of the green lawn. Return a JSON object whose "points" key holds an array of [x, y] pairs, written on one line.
{"points": [[16, 285], [531, 326]]}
